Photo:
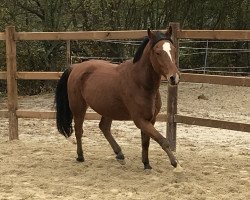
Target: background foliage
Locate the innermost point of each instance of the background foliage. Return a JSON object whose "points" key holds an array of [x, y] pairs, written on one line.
{"points": [[75, 15]]}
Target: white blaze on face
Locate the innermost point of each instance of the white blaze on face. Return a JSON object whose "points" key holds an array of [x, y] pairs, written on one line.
{"points": [[177, 78], [166, 47]]}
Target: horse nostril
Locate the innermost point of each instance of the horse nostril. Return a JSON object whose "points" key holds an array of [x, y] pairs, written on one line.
{"points": [[172, 79]]}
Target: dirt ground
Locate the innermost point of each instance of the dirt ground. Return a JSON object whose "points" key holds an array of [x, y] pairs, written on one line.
{"points": [[216, 162]]}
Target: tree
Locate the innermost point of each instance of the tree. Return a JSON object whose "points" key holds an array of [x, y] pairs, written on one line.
{"points": [[76, 15]]}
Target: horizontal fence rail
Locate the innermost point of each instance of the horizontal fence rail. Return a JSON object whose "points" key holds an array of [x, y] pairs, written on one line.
{"points": [[185, 77], [236, 126], [84, 35], [216, 79], [214, 34], [130, 34], [3, 75], [2, 36], [52, 115], [38, 75]]}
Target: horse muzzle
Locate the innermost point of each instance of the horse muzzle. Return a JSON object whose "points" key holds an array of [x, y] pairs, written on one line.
{"points": [[174, 79]]}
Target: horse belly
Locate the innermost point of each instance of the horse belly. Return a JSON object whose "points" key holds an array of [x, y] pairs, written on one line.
{"points": [[108, 107], [114, 112]]}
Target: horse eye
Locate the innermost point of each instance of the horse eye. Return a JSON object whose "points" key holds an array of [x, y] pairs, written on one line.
{"points": [[158, 53]]}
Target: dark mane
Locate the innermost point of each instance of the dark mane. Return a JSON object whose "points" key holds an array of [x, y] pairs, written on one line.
{"points": [[158, 37], [139, 51], [161, 36]]}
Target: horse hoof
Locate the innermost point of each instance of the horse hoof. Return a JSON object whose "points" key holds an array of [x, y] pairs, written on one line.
{"points": [[174, 163], [120, 156], [80, 159], [147, 167], [121, 161]]}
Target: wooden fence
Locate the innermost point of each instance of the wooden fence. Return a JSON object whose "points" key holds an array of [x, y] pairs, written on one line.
{"points": [[10, 36]]}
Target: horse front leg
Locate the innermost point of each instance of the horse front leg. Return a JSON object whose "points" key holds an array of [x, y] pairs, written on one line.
{"points": [[148, 128], [145, 140], [105, 126]]}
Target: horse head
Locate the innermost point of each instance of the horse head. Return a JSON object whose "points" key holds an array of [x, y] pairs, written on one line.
{"points": [[163, 55]]}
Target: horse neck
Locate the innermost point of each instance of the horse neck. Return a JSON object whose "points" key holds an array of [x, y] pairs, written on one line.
{"points": [[148, 78]]}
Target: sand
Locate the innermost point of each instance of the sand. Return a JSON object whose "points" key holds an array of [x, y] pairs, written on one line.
{"points": [[216, 162]]}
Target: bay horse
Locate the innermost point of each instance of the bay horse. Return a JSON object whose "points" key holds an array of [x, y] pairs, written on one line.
{"points": [[128, 91]]}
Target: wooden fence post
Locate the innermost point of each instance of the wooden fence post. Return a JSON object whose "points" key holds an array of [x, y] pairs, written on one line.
{"points": [[68, 54], [172, 95], [11, 81]]}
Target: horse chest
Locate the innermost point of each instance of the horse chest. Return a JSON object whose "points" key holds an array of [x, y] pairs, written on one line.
{"points": [[143, 104]]}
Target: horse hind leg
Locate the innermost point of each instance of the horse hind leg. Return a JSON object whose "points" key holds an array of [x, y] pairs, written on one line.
{"points": [[79, 111], [105, 125], [78, 133]]}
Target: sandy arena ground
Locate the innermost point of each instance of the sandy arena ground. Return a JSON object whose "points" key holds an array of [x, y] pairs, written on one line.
{"points": [[41, 165]]}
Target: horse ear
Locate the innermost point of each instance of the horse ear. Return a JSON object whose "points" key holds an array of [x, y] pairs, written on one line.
{"points": [[169, 31], [149, 33]]}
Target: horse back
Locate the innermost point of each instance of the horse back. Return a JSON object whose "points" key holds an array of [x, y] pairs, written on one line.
{"points": [[81, 72]]}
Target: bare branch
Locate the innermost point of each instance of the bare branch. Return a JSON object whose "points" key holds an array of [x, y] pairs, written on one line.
{"points": [[31, 10]]}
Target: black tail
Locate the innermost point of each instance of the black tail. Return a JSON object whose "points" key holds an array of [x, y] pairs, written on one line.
{"points": [[63, 112]]}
